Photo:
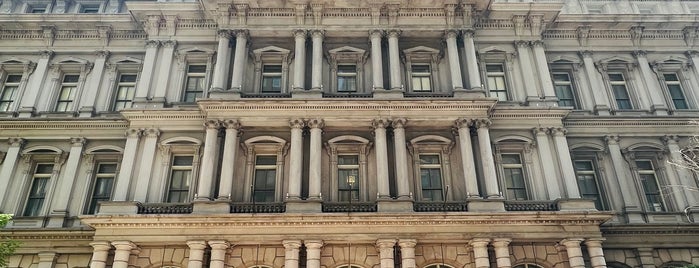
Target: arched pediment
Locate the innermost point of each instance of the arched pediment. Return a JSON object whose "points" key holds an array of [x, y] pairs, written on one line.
{"points": [[347, 49], [645, 146], [512, 138], [181, 141], [430, 138], [265, 139], [104, 149], [672, 59], [271, 49], [421, 49], [42, 149], [492, 49], [586, 146], [348, 138]]}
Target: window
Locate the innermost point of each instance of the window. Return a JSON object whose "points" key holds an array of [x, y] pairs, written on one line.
{"points": [[563, 86], [621, 94], [102, 186], [38, 189], [495, 74], [9, 91], [90, 9], [348, 178], [586, 174], [125, 91], [272, 79], [648, 178], [66, 95], [421, 78], [180, 178], [37, 9], [513, 174], [527, 265], [195, 84], [674, 88], [430, 154], [431, 177], [346, 78], [265, 178]]}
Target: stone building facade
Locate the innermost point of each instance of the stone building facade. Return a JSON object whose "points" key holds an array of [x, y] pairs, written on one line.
{"points": [[349, 134]]}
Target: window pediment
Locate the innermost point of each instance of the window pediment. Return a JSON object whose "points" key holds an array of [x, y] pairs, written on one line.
{"points": [[422, 53]]}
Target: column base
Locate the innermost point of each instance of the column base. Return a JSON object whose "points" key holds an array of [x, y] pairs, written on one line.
{"points": [[576, 205], [486, 206], [86, 111], [539, 102], [474, 93], [211, 207], [692, 214], [300, 206], [26, 112], [231, 94], [602, 110], [307, 94], [118, 208], [395, 206], [634, 215], [56, 219], [659, 109], [143, 103], [388, 94]]}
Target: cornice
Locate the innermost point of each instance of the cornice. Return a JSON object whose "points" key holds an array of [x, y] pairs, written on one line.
{"points": [[47, 235], [365, 105], [165, 114], [650, 229], [617, 121], [62, 125], [529, 113]]}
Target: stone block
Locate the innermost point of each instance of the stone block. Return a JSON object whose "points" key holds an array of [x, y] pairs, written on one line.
{"points": [[486, 206], [304, 207], [225, 95], [395, 206], [388, 94], [211, 207], [306, 94], [576, 205], [118, 208], [469, 94]]}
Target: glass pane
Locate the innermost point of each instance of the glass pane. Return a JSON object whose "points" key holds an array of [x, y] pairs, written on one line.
{"points": [[347, 160], [44, 169], [421, 69], [266, 160], [71, 78], [127, 78], [103, 187], [511, 159], [347, 179], [429, 159], [671, 77], [182, 160], [107, 168], [272, 84], [494, 68], [644, 165], [196, 69], [346, 69], [272, 69], [616, 77], [500, 83], [14, 78], [561, 77]]}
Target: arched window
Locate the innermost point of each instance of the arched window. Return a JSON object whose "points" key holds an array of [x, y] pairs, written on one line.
{"points": [[615, 264], [674, 264], [527, 265], [262, 266], [438, 265], [349, 266]]}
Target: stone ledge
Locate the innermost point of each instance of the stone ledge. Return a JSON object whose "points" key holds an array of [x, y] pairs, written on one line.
{"points": [[211, 207], [576, 205], [486, 206], [118, 208], [395, 206], [300, 206]]}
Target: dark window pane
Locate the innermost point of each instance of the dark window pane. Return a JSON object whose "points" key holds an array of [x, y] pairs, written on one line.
{"points": [[71, 78], [196, 69], [266, 160], [182, 160]]}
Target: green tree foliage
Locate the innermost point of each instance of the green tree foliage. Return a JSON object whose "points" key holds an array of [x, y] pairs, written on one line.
{"points": [[7, 246]]}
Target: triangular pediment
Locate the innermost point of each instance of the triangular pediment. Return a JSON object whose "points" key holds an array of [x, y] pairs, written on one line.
{"points": [[73, 60], [128, 60]]}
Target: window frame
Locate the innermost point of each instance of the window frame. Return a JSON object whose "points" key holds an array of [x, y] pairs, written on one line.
{"points": [[126, 65], [347, 55], [179, 146], [4, 77], [656, 172], [432, 145], [524, 150], [420, 56], [14, 66], [189, 74], [271, 75], [32, 157], [570, 83], [625, 83], [259, 146], [70, 99], [349, 145], [67, 66], [189, 57], [679, 69], [92, 158], [597, 172], [270, 55], [502, 74], [626, 69], [174, 168]]}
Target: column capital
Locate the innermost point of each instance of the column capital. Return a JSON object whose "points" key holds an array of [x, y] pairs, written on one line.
{"points": [[407, 243], [102, 54], [463, 122], [537, 43], [223, 33], [212, 124], [77, 141], [313, 244], [393, 33], [101, 246], [479, 242], [639, 53], [501, 242], [399, 122], [594, 242], [315, 123], [134, 132], [558, 131], [318, 33], [16, 142], [451, 34], [151, 132], [571, 242], [522, 44], [380, 123], [291, 244], [540, 131], [201, 245], [385, 243], [670, 139], [123, 245], [241, 34], [482, 123], [376, 33], [169, 44], [219, 244], [46, 54], [297, 123], [468, 33], [612, 139], [692, 53], [586, 53], [152, 44], [299, 33], [231, 124]]}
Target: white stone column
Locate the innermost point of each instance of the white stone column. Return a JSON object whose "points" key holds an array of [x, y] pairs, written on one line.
{"points": [[9, 165], [299, 60], [468, 163], [147, 70], [502, 252], [150, 144], [383, 186], [394, 59], [93, 85], [35, 84], [542, 66], [241, 47], [628, 193], [47, 259], [489, 174], [315, 154], [64, 187], [684, 181], [223, 58], [196, 253], [296, 159], [208, 161], [694, 57], [377, 59], [652, 89], [317, 63], [385, 249], [454, 65], [122, 253], [569, 180], [401, 154], [291, 253], [480, 252], [474, 76], [525, 63], [594, 250], [218, 253], [121, 186], [230, 147], [164, 72], [545, 156], [100, 252], [575, 257], [313, 248], [407, 251], [599, 94]]}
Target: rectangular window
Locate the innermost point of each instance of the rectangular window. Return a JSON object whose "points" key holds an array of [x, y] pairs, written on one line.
{"points": [[125, 91], [674, 87], [649, 180], [102, 188], [513, 170], [431, 177], [346, 78], [272, 79], [564, 89], [180, 178], [421, 78], [495, 74], [587, 181], [348, 177], [37, 9], [265, 178], [196, 81], [9, 91], [90, 9], [621, 94], [38, 189], [66, 96]]}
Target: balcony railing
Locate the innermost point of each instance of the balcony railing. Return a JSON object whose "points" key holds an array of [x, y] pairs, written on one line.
{"points": [[347, 95], [440, 206], [164, 208], [265, 95], [349, 207], [258, 207], [428, 94], [530, 206]]}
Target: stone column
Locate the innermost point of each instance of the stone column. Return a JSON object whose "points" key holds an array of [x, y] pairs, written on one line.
{"points": [[480, 252], [208, 161], [122, 253], [35, 84], [147, 71], [100, 252], [376, 59], [489, 174], [241, 40], [150, 145], [230, 147], [291, 253], [525, 62], [684, 180], [594, 249], [468, 163], [401, 154], [650, 79], [299, 60], [313, 253], [628, 193], [394, 60], [385, 249], [196, 253], [454, 65], [542, 66], [296, 159], [164, 72], [47, 259], [316, 152], [93, 85], [218, 253], [599, 94], [383, 186], [645, 257], [569, 180], [9, 165], [545, 153], [223, 58], [317, 63], [121, 186], [474, 76], [59, 206], [575, 257], [407, 251], [502, 252]]}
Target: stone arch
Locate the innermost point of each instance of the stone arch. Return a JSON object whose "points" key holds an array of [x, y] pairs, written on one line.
{"points": [[42, 149], [424, 138], [512, 138], [272, 139], [104, 149], [616, 264], [181, 141], [349, 138]]}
